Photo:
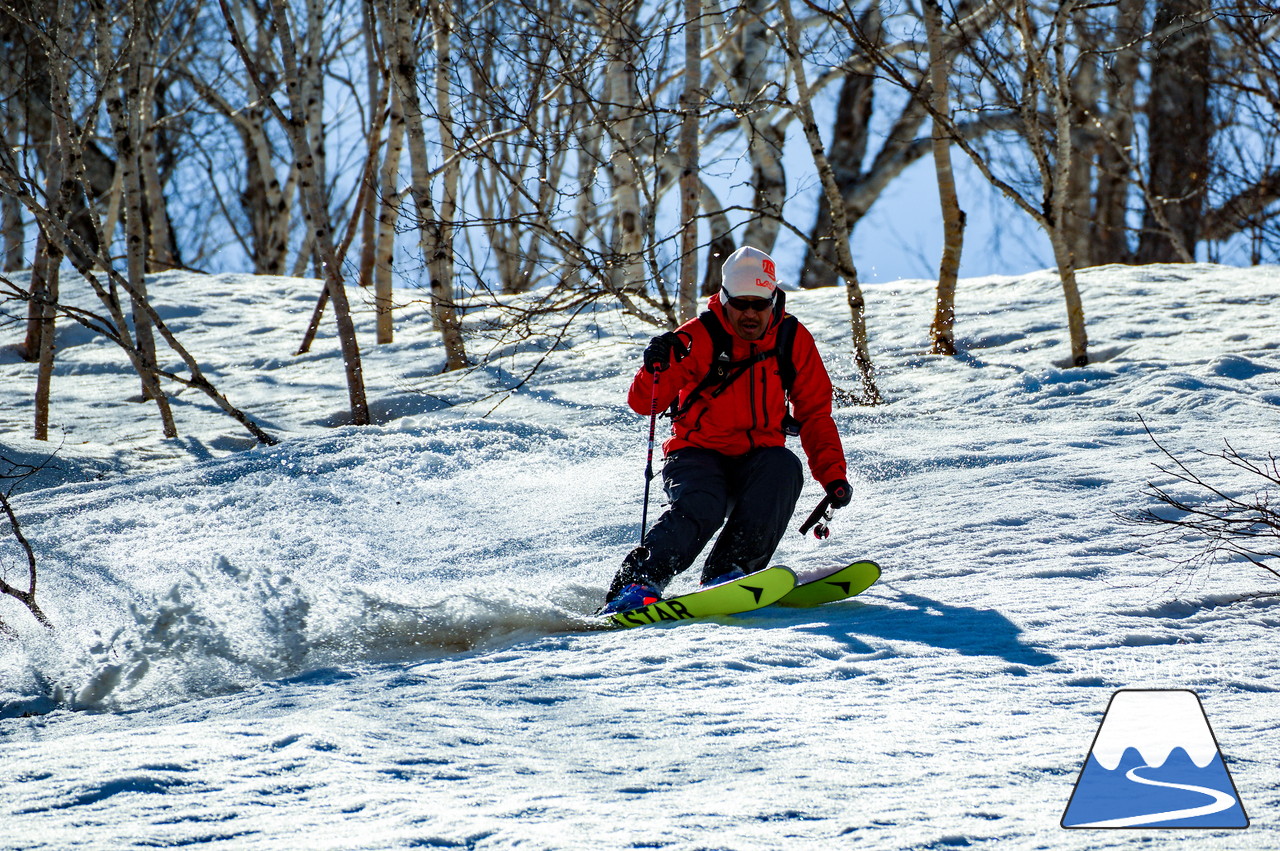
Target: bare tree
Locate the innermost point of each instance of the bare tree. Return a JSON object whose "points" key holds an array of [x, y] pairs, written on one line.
{"points": [[124, 98], [399, 21], [12, 227], [14, 232], [942, 331], [1173, 129], [1023, 62], [1119, 43], [55, 40], [26, 596], [87, 255], [1180, 130], [67, 187], [1244, 196], [299, 126], [522, 115], [839, 221], [546, 159], [25, 39], [542, 142], [690, 183], [265, 199], [388, 215], [748, 68], [1215, 522], [850, 137], [442, 231], [618, 21], [866, 160], [88, 266], [45, 273]]}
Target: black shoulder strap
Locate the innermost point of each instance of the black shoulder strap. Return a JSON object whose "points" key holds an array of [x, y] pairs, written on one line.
{"points": [[785, 341], [721, 342]]}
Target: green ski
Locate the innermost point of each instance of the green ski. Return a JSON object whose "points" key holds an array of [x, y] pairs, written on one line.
{"points": [[839, 584], [754, 591]]}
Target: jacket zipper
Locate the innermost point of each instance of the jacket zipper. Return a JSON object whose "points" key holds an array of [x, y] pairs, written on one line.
{"points": [[764, 397], [755, 422]]}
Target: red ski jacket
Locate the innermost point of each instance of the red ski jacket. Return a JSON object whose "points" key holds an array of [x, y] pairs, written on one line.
{"points": [[749, 413]]}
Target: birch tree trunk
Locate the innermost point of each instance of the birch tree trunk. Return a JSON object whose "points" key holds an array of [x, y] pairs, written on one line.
{"points": [[311, 88], [1078, 213], [87, 259], [1058, 83], [743, 66], [844, 254], [440, 232], [400, 27], [44, 293], [388, 216], [268, 204], [440, 265], [160, 236], [121, 103], [942, 330], [272, 214], [11, 226], [752, 81], [719, 244], [159, 239], [1035, 82], [44, 273], [14, 233], [589, 144], [617, 22], [316, 212], [690, 182], [115, 201], [378, 95]]}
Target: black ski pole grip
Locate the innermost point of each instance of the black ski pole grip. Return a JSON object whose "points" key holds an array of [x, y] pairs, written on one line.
{"points": [[818, 514]]}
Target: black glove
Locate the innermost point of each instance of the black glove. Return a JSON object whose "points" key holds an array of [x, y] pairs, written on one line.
{"points": [[839, 493], [657, 355]]}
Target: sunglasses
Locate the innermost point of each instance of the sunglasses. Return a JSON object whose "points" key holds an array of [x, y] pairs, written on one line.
{"points": [[745, 303]]}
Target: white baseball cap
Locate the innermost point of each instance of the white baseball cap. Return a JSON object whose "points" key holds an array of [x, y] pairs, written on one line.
{"points": [[749, 272]]}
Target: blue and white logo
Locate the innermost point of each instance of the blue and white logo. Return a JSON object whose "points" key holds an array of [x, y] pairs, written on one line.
{"points": [[1155, 763]]}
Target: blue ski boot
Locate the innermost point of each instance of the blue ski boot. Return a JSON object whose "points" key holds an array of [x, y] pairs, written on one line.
{"points": [[632, 596]]}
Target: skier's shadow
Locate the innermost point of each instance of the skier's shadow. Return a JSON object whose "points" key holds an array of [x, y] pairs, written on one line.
{"points": [[971, 632]]}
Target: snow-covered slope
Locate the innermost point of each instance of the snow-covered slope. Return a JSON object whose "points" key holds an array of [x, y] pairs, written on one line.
{"points": [[371, 637]]}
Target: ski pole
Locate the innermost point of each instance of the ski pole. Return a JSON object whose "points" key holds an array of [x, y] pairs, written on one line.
{"points": [[818, 520], [648, 466]]}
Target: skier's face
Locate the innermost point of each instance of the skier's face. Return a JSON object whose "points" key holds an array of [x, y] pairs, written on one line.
{"points": [[749, 317]]}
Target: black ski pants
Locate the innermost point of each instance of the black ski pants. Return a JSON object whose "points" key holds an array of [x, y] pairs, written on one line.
{"points": [[753, 495]]}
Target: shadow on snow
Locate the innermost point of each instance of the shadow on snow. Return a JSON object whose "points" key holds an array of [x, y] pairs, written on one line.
{"points": [[965, 630]]}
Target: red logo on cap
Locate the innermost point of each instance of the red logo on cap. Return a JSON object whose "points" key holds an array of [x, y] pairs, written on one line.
{"points": [[769, 268]]}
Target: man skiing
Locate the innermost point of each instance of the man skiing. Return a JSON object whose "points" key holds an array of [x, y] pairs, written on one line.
{"points": [[726, 461]]}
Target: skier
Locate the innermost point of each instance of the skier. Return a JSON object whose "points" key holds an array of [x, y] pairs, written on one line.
{"points": [[727, 457]]}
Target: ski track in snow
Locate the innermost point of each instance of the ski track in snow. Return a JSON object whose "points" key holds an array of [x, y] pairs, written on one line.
{"points": [[373, 638]]}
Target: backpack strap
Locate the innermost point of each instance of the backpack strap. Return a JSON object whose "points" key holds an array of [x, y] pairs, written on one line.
{"points": [[724, 370], [784, 343]]}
